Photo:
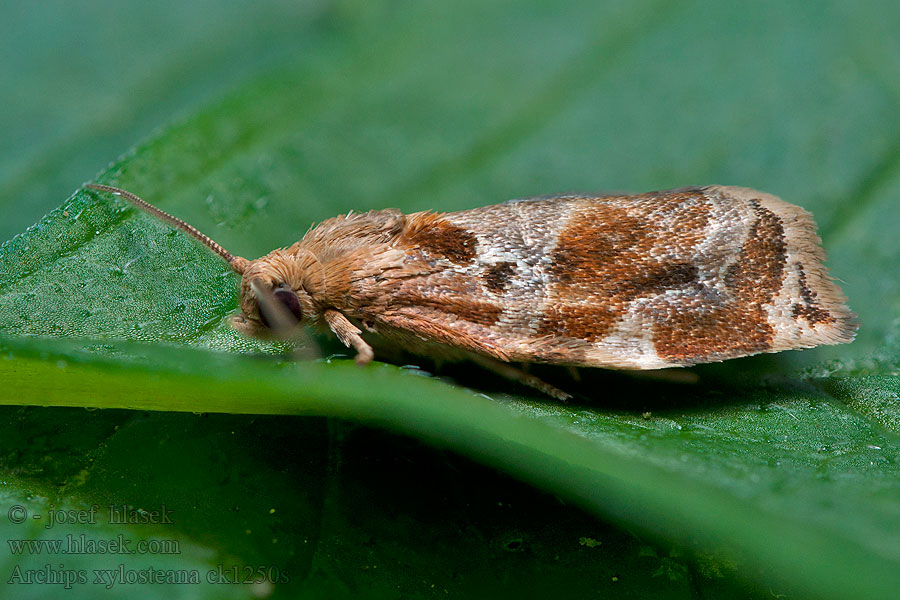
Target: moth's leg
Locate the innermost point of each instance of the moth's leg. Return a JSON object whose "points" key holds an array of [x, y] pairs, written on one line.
{"points": [[510, 372], [348, 333]]}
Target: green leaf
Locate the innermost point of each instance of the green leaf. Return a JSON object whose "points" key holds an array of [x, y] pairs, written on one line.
{"points": [[781, 471]]}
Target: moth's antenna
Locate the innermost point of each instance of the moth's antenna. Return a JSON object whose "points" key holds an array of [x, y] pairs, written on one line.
{"points": [[237, 263]]}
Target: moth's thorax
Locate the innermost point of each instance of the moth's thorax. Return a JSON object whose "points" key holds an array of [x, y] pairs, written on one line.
{"points": [[348, 262]]}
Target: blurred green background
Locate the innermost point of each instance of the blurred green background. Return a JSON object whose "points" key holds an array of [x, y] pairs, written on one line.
{"points": [[771, 475]]}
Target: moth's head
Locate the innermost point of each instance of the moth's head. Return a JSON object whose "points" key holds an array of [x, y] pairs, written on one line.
{"points": [[276, 290], [277, 295]]}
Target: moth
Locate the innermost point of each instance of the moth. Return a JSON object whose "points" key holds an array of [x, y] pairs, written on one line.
{"points": [[648, 281]]}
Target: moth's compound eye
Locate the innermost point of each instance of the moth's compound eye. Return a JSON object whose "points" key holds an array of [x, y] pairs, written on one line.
{"points": [[290, 300], [286, 298]]}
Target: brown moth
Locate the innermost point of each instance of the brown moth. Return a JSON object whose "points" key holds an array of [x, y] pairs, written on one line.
{"points": [[647, 281]]}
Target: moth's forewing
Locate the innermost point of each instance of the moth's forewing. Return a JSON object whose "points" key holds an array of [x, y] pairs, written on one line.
{"points": [[642, 282]]}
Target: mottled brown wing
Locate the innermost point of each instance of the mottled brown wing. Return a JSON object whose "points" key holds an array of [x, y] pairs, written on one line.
{"points": [[637, 282]]}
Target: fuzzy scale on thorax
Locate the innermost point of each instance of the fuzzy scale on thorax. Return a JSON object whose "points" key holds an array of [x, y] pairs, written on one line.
{"points": [[644, 281]]}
